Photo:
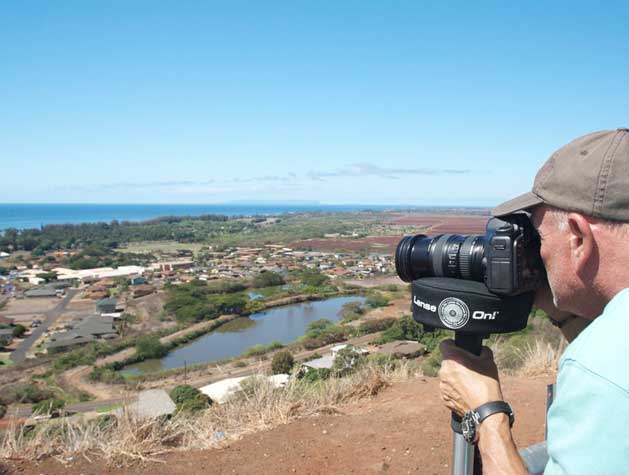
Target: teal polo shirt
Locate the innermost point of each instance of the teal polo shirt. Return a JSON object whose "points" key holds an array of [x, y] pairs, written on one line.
{"points": [[588, 423]]}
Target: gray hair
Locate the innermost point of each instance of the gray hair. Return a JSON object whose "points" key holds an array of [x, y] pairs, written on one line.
{"points": [[560, 218]]}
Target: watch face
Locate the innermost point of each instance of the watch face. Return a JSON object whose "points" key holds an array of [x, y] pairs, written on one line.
{"points": [[468, 427]]}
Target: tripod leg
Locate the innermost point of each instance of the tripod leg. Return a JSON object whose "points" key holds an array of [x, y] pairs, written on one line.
{"points": [[465, 457], [462, 456]]}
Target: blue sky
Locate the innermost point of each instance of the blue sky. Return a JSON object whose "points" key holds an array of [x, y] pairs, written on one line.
{"points": [[374, 102]]}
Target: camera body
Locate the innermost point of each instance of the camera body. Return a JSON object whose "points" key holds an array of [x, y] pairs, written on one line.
{"points": [[506, 259]]}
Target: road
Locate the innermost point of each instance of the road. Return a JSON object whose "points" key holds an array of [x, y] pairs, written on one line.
{"points": [[19, 354]]}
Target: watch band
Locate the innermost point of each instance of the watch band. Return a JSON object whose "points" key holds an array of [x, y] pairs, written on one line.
{"points": [[487, 409]]}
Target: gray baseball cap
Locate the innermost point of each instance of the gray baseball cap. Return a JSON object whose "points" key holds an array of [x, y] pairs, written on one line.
{"points": [[590, 175]]}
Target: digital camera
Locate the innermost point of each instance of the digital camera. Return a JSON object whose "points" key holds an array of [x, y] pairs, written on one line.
{"points": [[506, 259]]}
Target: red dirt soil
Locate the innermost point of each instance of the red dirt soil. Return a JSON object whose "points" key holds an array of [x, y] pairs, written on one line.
{"points": [[438, 224], [405, 429]]}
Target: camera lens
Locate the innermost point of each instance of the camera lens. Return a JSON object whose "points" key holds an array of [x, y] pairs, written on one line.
{"points": [[446, 255]]}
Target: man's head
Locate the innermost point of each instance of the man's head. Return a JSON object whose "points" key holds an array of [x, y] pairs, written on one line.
{"points": [[580, 206]]}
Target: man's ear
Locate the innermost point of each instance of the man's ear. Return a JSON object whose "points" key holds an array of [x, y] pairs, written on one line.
{"points": [[582, 243]]}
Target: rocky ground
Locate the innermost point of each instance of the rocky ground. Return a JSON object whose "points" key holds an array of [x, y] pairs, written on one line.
{"points": [[404, 429]]}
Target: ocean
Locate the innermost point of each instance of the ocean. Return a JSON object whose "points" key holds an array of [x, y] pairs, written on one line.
{"points": [[26, 216]]}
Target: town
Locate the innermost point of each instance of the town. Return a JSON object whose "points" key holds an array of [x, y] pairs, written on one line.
{"points": [[100, 294]]}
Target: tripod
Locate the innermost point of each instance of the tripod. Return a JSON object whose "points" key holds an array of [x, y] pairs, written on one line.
{"points": [[465, 457], [468, 308]]}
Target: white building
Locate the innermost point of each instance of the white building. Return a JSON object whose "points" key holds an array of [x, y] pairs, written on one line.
{"points": [[90, 275], [221, 390]]}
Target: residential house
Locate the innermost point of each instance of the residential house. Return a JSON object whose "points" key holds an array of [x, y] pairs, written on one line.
{"points": [[42, 292], [106, 305], [141, 290], [85, 331]]}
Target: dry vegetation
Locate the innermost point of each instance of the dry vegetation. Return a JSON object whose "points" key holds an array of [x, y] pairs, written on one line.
{"points": [[259, 406]]}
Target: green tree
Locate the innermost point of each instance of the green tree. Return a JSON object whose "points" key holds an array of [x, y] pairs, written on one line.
{"points": [[48, 276], [313, 278], [18, 331], [282, 362], [149, 347], [267, 279]]}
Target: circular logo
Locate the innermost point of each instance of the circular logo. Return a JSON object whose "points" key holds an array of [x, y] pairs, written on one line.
{"points": [[453, 313]]}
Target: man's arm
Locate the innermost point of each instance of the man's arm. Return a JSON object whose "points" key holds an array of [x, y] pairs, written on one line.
{"points": [[497, 448], [467, 382]]}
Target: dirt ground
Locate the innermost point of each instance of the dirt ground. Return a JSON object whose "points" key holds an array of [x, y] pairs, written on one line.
{"points": [[26, 310], [404, 429], [375, 281]]}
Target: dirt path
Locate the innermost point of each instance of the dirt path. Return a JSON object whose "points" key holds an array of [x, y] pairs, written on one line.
{"points": [[77, 377], [405, 429]]}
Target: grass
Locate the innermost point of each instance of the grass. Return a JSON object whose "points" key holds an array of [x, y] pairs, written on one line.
{"points": [[5, 360]]}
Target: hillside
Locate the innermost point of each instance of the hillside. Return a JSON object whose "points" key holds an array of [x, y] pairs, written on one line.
{"points": [[404, 429]]}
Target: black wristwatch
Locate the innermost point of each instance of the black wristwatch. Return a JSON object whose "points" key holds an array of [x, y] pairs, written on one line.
{"points": [[471, 420]]}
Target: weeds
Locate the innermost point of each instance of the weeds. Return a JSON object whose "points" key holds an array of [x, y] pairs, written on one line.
{"points": [[259, 406]]}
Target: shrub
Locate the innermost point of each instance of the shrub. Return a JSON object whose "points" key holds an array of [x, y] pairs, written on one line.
{"points": [[282, 362], [267, 279], [106, 374], [352, 308], [432, 364], [18, 331], [183, 392], [254, 306], [377, 300], [313, 278], [275, 345], [190, 399], [47, 406], [149, 347], [406, 328], [347, 361], [255, 350], [318, 326], [25, 393], [332, 334], [313, 375], [3, 410], [374, 326]]}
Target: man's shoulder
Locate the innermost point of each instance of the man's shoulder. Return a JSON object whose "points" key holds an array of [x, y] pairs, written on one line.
{"points": [[603, 347]]}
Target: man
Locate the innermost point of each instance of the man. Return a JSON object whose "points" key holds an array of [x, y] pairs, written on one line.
{"points": [[580, 206]]}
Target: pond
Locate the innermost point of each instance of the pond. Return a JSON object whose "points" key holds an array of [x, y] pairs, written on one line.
{"points": [[284, 324]]}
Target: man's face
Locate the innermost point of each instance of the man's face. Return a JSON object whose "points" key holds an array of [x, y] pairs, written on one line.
{"points": [[554, 251]]}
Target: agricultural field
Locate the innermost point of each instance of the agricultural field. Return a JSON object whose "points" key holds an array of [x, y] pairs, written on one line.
{"points": [[157, 247], [397, 226]]}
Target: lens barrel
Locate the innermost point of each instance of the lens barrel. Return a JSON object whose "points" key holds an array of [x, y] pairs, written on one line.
{"points": [[446, 255]]}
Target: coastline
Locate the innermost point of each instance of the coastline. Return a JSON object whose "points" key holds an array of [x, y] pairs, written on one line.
{"points": [[24, 216]]}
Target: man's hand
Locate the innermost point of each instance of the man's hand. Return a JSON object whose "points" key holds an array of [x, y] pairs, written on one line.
{"points": [[467, 380]]}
